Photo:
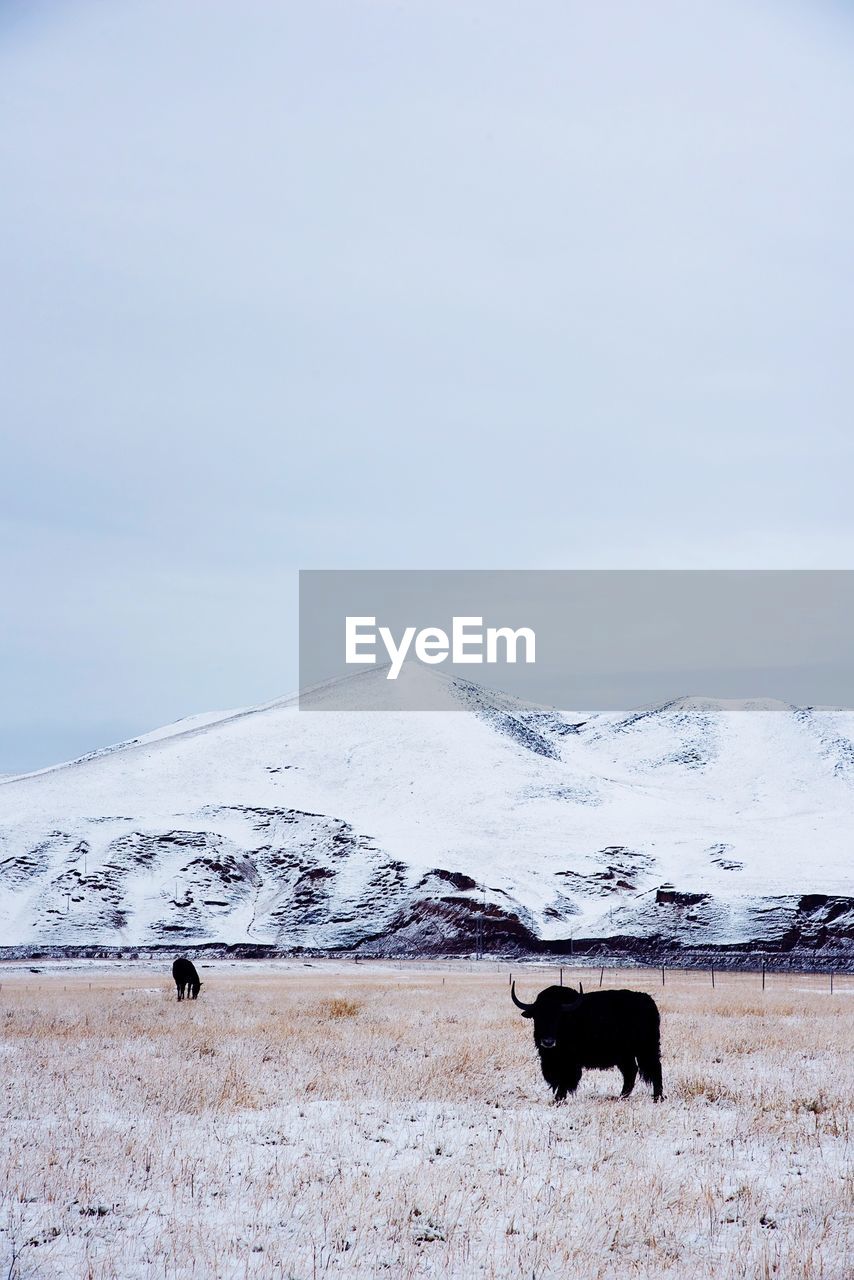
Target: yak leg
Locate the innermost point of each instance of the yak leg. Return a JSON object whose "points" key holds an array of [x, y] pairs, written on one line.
{"points": [[629, 1069], [568, 1082], [180, 991]]}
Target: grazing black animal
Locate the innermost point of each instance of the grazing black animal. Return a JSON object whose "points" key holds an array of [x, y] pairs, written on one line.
{"points": [[574, 1031], [186, 978]]}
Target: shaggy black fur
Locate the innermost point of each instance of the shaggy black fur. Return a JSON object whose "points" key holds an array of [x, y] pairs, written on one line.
{"points": [[186, 978], [574, 1032]]}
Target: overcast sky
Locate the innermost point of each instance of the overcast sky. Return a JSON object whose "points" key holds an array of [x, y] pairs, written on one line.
{"points": [[388, 284]]}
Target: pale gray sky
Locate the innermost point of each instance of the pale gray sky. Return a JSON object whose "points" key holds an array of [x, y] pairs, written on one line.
{"points": [[387, 284]]}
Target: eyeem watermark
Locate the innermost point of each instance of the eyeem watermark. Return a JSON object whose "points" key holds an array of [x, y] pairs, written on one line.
{"points": [[423, 640], [468, 642]]}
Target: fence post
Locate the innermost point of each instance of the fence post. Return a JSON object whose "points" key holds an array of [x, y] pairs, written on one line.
{"points": [[561, 975], [763, 975], [601, 974], [831, 982], [713, 977], [662, 975]]}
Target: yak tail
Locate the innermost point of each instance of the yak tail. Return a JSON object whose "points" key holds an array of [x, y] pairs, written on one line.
{"points": [[649, 1050], [647, 1069], [649, 1065]]}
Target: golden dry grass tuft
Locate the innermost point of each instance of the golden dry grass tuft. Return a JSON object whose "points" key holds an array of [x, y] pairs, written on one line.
{"points": [[338, 1007], [392, 1122]]}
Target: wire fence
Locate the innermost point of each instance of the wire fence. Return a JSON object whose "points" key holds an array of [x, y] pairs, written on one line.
{"points": [[759, 976]]}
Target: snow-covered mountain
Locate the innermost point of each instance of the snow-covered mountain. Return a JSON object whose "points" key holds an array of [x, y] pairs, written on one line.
{"points": [[695, 821]]}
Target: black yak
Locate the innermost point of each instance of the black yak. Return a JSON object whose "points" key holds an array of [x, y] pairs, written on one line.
{"points": [[186, 978], [574, 1031]]}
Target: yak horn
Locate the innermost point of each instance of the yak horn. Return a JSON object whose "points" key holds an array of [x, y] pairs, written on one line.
{"points": [[520, 1004]]}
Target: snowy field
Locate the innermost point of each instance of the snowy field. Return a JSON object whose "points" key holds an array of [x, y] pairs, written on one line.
{"points": [[369, 1120]]}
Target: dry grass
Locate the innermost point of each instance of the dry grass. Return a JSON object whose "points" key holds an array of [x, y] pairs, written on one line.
{"points": [[385, 1122]]}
